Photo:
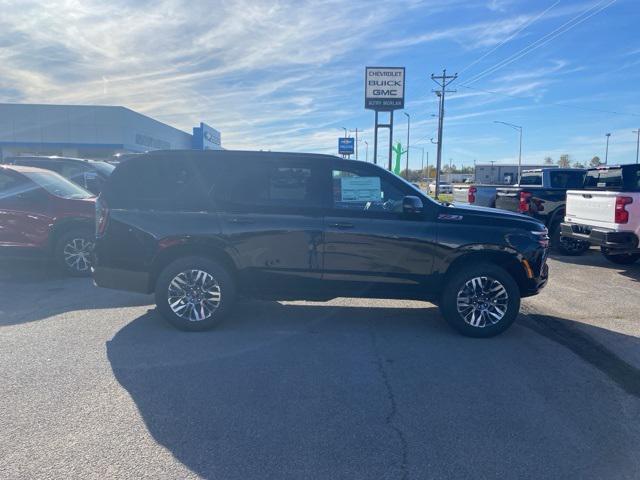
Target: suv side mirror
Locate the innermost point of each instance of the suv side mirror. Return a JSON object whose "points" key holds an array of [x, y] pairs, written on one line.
{"points": [[412, 204]]}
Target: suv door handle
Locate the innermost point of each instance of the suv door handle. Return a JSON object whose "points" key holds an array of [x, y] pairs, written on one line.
{"points": [[341, 226], [241, 220]]}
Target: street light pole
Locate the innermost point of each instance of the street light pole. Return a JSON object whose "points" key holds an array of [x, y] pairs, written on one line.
{"points": [[366, 151], [519, 128], [406, 174], [606, 152], [637, 144], [356, 130]]}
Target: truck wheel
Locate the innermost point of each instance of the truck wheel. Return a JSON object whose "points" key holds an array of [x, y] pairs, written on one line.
{"points": [[480, 300], [194, 293], [73, 252], [565, 245], [621, 259]]}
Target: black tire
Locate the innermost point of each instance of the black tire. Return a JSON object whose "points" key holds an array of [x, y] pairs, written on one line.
{"points": [[73, 252], [621, 259], [567, 246], [456, 284], [187, 319]]}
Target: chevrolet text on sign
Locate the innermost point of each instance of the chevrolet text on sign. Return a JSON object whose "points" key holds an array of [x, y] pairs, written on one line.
{"points": [[384, 88]]}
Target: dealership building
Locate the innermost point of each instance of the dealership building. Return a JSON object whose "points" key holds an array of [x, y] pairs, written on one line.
{"points": [[86, 131]]}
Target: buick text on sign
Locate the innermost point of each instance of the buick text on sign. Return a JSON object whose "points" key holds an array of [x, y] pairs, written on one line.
{"points": [[384, 88]]}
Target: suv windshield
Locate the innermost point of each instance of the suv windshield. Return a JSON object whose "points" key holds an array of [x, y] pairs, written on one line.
{"points": [[58, 185]]}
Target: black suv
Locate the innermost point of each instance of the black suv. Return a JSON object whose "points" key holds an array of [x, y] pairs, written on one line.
{"points": [[89, 174], [200, 228]]}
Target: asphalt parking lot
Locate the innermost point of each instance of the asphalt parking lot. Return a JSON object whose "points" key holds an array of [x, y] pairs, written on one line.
{"points": [[96, 385]]}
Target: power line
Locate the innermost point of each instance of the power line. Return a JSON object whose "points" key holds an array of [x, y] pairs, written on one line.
{"points": [[565, 27], [508, 39], [575, 107]]}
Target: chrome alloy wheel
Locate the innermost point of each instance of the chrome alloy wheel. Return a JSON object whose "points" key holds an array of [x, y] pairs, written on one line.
{"points": [[194, 295], [77, 254], [482, 301]]}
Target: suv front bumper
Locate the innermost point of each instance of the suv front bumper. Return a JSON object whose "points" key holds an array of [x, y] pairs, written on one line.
{"points": [[600, 237]]}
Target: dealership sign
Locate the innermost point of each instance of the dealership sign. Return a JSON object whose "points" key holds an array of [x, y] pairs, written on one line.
{"points": [[346, 145], [206, 138], [384, 88]]}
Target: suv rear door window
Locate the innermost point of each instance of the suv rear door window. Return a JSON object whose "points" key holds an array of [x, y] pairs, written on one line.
{"points": [[269, 184]]}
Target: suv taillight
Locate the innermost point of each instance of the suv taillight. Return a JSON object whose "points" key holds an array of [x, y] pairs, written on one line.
{"points": [[102, 216], [471, 195], [523, 205], [622, 216]]}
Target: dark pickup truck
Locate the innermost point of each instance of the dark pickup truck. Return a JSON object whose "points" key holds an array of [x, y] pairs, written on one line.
{"points": [[542, 194]]}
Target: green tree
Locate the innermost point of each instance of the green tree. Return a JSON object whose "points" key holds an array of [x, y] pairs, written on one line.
{"points": [[548, 161], [564, 161], [578, 165], [595, 162]]}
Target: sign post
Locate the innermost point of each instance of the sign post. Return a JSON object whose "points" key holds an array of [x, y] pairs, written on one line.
{"points": [[384, 92]]}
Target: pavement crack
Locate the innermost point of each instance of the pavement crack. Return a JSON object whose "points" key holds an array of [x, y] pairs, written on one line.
{"points": [[393, 411], [625, 375]]}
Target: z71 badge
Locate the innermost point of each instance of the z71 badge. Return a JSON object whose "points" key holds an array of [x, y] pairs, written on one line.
{"points": [[448, 216]]}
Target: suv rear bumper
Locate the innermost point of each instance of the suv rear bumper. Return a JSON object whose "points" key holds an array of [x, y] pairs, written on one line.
{"points": [[119, 279], [601, 237]]}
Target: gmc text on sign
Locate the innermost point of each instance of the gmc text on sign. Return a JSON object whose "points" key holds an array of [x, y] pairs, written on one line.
{"points": [[384, 88]]}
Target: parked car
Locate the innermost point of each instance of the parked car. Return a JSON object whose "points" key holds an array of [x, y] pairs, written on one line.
{"points": [[479, 195], [542, 195], [199, 228], [89, 174], [445, 188], [607, 212], [44, 214]]}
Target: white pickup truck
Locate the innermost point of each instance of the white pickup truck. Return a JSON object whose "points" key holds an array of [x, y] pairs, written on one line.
{"points": [[607, 212]]}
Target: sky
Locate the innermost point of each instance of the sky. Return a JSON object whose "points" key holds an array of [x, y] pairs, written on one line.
{"points": [[289, 75]]}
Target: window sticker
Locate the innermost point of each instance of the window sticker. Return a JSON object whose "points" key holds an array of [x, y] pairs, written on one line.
{"points": [[360, 189]]}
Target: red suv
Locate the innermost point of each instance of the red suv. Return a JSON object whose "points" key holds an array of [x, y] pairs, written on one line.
{"points": [[42, 213]]}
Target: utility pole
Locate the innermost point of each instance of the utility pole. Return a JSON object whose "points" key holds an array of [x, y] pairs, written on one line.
{"points": [[406, 172], [427, 167], [606, 152], [443, 81], [637, 144]]}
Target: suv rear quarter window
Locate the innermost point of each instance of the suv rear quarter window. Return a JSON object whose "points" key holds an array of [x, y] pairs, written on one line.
{"points": [[156, 183]]}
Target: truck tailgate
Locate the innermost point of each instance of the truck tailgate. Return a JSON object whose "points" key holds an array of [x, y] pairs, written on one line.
{"points": [[461, 194], [508, 199], [591, 207]]}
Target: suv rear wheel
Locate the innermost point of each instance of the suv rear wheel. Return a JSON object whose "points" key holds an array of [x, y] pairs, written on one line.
{"points": [[194, 293], [73, 252], [480, 300]]}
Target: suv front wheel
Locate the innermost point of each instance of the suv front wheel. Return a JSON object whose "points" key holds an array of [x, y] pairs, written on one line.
{"points": [[480, 300], [194, 293]]}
